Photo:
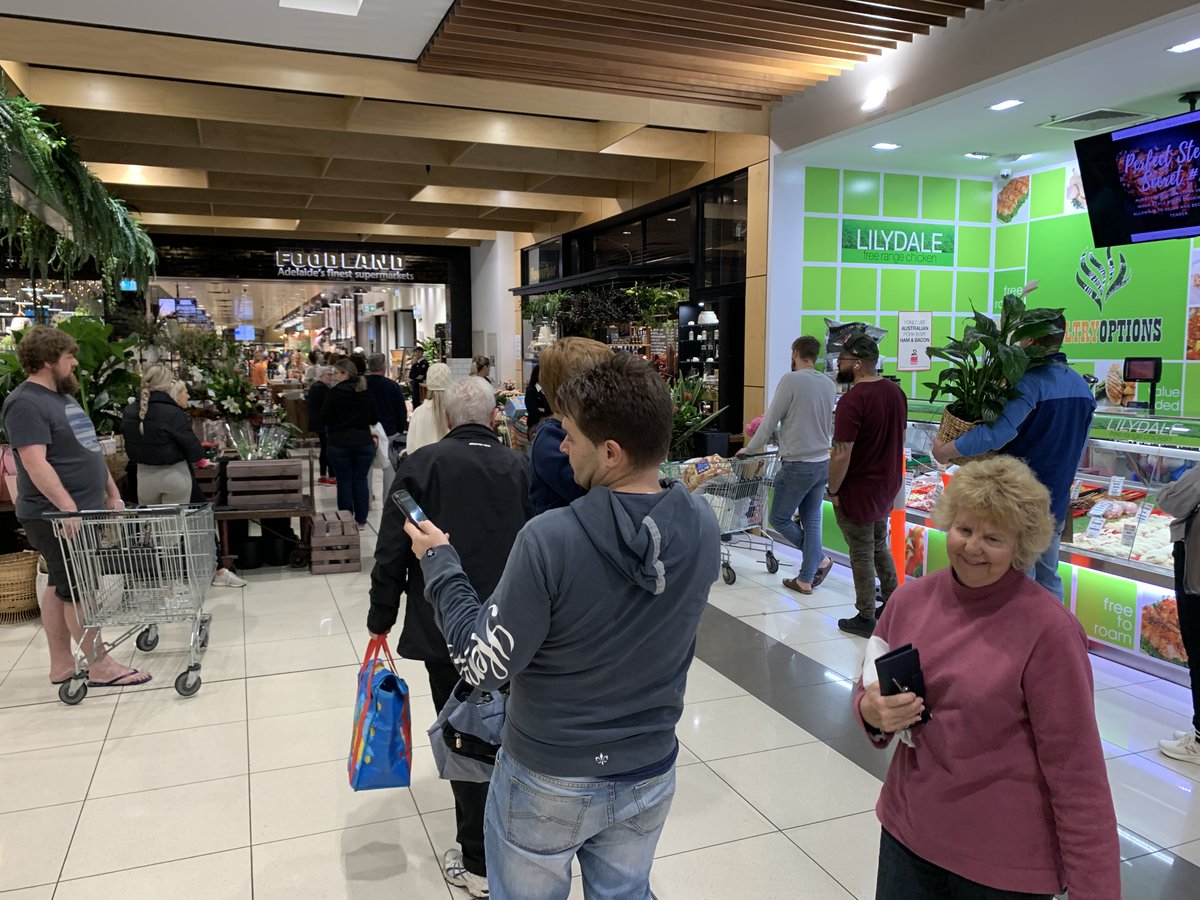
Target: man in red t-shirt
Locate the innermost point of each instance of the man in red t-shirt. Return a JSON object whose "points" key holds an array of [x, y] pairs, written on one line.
{"points": [[866, 470]]}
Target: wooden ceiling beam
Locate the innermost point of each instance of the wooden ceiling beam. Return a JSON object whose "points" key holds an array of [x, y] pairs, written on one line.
{"points": [[853, 12]]}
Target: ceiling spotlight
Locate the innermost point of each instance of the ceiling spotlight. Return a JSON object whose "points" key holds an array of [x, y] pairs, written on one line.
{"points": [[1187, 47], [884, 145], [876, 96], [1005, 104], [977, 155]]}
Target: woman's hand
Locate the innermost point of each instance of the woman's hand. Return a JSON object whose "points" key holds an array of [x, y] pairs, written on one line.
{"points": [[425, 537], [893, 713]]}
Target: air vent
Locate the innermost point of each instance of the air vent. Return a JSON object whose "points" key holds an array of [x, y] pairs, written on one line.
{"points": [[1097, 120]]}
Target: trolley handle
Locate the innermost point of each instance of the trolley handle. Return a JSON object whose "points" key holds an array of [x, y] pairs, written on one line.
{"points": [[126, 511]]}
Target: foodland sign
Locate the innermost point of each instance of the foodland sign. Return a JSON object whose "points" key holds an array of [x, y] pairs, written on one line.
{"points": [[341, 266], [897, 243]]}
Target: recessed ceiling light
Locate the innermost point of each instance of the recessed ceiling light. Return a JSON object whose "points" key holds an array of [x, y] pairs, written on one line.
{"points": [[884, 145], [672, 220], [336, 7], [1187, 47], [1005, 104], [974, 155], [876, 96]]}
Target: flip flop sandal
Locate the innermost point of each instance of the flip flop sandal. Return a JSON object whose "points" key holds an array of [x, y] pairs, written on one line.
{"points": [[823, 571], [120, 681], [794, 585]]}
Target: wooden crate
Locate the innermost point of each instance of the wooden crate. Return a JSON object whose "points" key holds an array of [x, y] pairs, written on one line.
{"points": [[334, 543], [209, 479], [264, 484]]}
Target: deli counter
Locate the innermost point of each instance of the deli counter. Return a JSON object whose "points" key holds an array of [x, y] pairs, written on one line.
{"points": [[1116, 557]]}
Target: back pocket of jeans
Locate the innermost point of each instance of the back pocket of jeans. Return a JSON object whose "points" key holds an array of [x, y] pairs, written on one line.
{"points": [[541, 822], [654, 802]]}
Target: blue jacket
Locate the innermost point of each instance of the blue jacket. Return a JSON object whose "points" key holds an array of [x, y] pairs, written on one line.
{"points": [[551, 479], [1046, 426]]}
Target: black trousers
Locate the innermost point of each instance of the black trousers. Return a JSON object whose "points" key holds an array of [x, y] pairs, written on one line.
{"points": [[905, 876], [470, 798], [1189, 629], [323, 459]]}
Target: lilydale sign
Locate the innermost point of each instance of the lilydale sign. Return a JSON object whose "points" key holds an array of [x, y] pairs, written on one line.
{"points": [[897, 243]]}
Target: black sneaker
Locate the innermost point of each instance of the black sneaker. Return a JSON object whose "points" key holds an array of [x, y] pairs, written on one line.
{"points": [[860, 625]]}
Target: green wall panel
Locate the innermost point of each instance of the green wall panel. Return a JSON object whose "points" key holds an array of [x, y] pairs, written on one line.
{"points": [[860, 289], [901, 196], [937, 291], [813, 325], [821, 238], [1011, 242], [822, 190], [974, 247], [860, 193], [975, 201], [898, 290], [831, 535], [1047, 194], [939, 198], [1005, 281], [973, 289], [820, 287]]}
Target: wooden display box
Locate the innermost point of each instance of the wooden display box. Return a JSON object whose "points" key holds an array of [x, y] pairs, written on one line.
{"points": [[334, 543], [264, 484], [209, 480]]}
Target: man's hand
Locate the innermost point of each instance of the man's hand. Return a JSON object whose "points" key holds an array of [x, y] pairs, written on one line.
{"points": [[890, 714], [114, 503], [425, 537], [944, 451], [741, 453]]}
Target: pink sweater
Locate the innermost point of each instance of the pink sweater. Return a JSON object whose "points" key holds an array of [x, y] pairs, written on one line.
{"points": [[1007, 785]]}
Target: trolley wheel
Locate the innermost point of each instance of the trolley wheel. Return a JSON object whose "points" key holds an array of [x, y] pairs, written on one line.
{"points": [[73, 691], [148, 639], [727, 574], [298, 559], [187, 683], [772, 563]]}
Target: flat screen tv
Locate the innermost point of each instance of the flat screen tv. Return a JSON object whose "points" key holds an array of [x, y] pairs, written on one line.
{"points": [[166, 306], [1143, 183], [244, 333]]}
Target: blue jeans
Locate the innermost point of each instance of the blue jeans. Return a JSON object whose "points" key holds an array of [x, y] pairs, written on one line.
{"points": [[536, 824], [801, 485], [352, 469], [1045, 570]]}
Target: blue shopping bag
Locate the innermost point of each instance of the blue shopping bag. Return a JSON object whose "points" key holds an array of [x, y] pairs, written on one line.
{"points": [[381, 746]]}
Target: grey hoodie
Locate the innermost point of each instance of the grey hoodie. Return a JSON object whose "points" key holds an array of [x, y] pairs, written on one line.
{"points": [[593, 623]]}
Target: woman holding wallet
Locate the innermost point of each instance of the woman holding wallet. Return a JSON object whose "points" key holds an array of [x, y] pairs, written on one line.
{"points": [[1003, 792]]}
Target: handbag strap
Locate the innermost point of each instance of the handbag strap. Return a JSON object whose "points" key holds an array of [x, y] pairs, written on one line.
{"points": [[374, 646]]}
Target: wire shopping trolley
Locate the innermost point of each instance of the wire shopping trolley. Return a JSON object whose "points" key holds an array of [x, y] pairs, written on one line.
{"points": [[136, 569], [737, 490]]}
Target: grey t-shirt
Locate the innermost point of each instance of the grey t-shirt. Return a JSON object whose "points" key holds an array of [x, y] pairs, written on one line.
{"points": [[802, 413], [35, 415]]}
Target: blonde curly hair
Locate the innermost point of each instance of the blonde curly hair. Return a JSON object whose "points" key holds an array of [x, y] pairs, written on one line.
{"points": [[1005, 492]]}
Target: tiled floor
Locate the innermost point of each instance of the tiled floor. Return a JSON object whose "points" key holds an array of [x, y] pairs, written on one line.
{"points": [[241, 792]]}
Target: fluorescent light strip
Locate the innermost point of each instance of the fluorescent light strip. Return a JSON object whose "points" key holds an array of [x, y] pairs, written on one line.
{"points": [[978, 155], [1005, 104], [884, 145], [1187, 47]]}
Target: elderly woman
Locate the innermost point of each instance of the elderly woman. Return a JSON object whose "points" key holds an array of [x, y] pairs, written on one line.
{"points": [[1003, 793]]}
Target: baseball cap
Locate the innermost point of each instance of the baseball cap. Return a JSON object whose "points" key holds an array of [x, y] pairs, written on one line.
{"points": [[860, 346]]}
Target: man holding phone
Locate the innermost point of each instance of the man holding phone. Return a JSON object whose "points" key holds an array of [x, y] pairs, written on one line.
{"points": [[479, 490], [594, 627]]}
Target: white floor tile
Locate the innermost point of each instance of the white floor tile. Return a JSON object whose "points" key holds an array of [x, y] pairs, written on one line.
{"points": [[686, 757], [216, 664], [117, 833], [297, 692], [37, 653], [151, 712], [47, 777], [752, 601], [149, 761], [705, 812], [1163, 693], [223, 875], [765, 868], [1186, 769], [300, 655], [1155, 802], [843, 657], [226, 630], [56, 724], [1133, 723], [735, 726], [847, 848], [264, 629], [1189, 851], [387, 859], [25, 687], [281, 742], [801, 627], [33, 844], [430, 792], [1108, 674], [706, 683], [44, 892], [823, 785]]}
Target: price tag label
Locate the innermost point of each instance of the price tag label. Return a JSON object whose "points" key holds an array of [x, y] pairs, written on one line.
{"points": [[1144, 513], [1116, 485], [1095, 527], [1100, 509], [1076, 487], [1128, 533], [908, 485]]}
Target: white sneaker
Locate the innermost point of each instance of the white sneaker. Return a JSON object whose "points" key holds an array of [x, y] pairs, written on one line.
{"points": [[1184, 749], [456, 874], [225, 578]]}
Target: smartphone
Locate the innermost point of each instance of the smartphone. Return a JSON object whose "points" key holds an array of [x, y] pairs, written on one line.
{"points": [[409, 507]]}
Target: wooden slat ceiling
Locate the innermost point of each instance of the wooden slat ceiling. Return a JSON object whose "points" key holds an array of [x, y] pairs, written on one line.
{"points": [[738, 54]]}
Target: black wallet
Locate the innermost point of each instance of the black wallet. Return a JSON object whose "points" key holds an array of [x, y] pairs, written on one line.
{"points": [[899, 671]]}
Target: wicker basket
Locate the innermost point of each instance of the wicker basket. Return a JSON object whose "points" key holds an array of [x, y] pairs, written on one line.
{"points": [[951, 429], [18, 587]]}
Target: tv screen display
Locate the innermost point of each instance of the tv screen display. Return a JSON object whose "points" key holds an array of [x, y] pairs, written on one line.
{"points": [[244, 333], [166, 306], [1143, 183], [129, 284]]}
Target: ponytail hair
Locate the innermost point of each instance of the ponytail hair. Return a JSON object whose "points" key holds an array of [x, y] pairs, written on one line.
{"points": [[350, 370], [154, 378]]}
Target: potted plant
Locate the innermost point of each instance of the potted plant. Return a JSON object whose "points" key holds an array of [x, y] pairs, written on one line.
{"points": [[987, 362], [689, 418], [656, 303]]}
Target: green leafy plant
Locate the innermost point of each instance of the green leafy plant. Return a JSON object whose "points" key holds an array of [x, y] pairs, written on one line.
{"points": [[432, 350], [107, 379], [986, 364], [589, 312], [232, 396], [538, 307], [687, 395], [655, 302]]}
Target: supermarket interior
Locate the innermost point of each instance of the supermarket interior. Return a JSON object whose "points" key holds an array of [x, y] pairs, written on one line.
{"points": [[249, 206]]}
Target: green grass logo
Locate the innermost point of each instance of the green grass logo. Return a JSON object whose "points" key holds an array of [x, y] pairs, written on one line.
{"points": [[1101, 278]]}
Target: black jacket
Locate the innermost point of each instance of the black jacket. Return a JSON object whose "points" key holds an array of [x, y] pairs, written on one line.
{"points": [[348, 415], [470, 485], [167, 437], [389, 403], [316, 406], [536, 405]]}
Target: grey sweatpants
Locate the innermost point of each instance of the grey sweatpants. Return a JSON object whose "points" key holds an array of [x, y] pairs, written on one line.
{"points": [[164, 484]]}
